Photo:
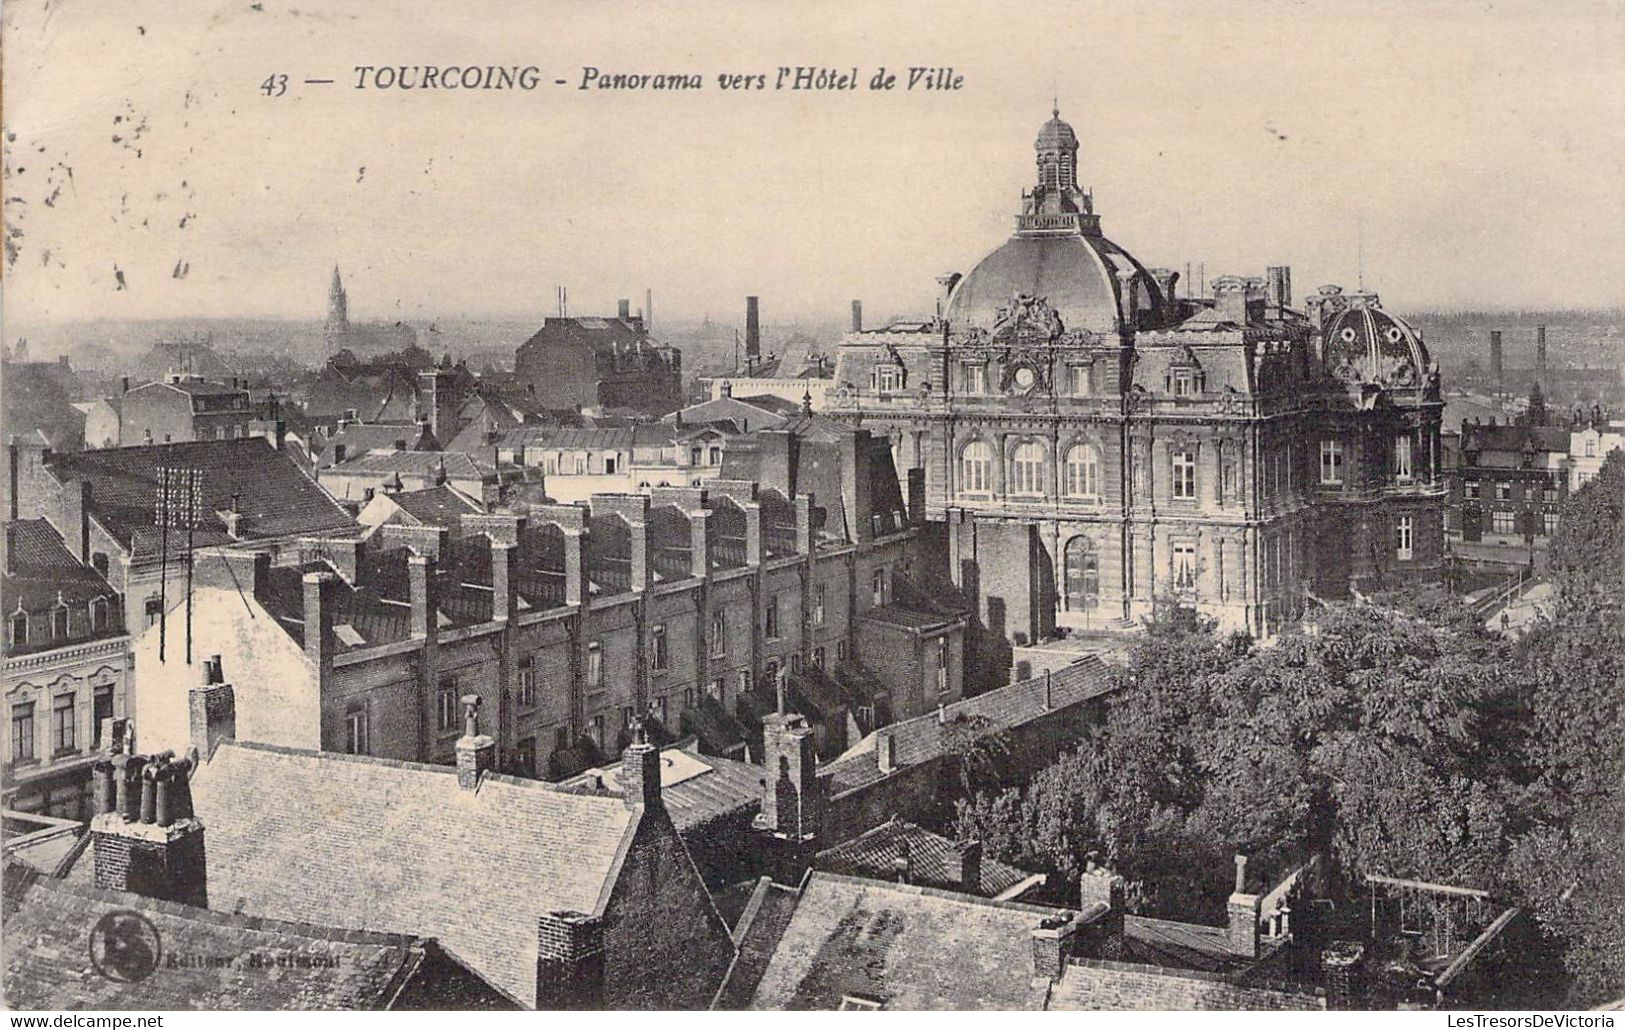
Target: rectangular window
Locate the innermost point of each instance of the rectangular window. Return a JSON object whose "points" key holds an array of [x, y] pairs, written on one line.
{"points": [[1184, 385], [1079, 384], [1503, 490], [527, 682], [357, 739], [595, 666], [525, 756], [818, 657], [446, 704], [101, 710], [609, 466], [1184, 558], [718, 690], [62, 721], [597, 732], [1331, 461], [1402, 458], [878, 586], [1469, 489], [840, 651], [772, 618], [719, 634], [154, 609], [716, 456], [818, 605], [888, 377], [1502, 522], [1550, 522], [22, 732], [1184, 473], [942, 666], [1548, 493], [658, 656], [744, 681], [974, 377], [1402, 541], [688, 698]]}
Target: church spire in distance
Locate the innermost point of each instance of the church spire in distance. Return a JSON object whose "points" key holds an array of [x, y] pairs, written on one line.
{"points": [[338, 305]]}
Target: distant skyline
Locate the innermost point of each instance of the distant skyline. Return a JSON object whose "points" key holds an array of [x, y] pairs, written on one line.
{"points": [[1469, 156]]}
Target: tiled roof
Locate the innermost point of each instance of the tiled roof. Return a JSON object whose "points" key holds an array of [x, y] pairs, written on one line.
{"points": [[436, 506], [756, 934], [415, 463], [695, 788], [923, 739], [48, 956], [1096, 985], [903, 947], [933, 860], [575, 438], [358, 438], [41, 571], [401, 847], [274, 498], [709, 720], [1165, 942], [1514, 438]]}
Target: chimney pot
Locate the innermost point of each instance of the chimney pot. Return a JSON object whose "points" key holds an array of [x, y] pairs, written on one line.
{"points": [[1241, 873], [640, 770], [476, 753], [886, 751]]}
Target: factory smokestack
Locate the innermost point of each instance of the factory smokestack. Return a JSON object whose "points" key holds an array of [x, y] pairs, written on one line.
{"points": [[648, 310], [753, 332], [1496, 370], [857, 316], [1540, 352]]}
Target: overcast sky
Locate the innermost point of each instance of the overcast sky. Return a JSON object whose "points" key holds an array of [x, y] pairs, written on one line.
{"points": [[1476, 148]]}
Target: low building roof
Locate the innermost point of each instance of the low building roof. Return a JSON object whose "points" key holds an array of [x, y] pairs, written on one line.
{"points": [[933, 861], [272, 496], [1098, 985], [436, 506], [696, 789], [901, 946], [402, 847], [925, 738]]}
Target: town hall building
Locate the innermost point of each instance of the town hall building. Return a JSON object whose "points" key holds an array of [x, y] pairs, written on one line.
{"points": [[1092, 442]]}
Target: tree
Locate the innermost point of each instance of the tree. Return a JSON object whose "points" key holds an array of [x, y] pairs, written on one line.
{"points": [[1569, 865]]}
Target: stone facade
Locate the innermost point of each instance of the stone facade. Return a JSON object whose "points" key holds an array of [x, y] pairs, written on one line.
{"points": [[1094, 442]]}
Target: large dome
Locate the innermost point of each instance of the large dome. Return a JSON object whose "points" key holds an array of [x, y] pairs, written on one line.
{"points": [[1057, 254], [1077, 275]]}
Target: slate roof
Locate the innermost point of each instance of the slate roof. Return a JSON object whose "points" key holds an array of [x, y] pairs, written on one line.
{"points": [[696, 789], [359, 438], [922, 739], [756, 934], [932, 858], [48, 956], [436, 506], [400, 847], [907, 617], [903, 946], [40, 568], [273, 496], [1096, 985], [1514, 437]]}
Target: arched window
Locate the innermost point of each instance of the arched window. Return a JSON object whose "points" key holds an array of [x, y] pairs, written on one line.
{"points": [[976, 468], [1082, 575], [1027, 469], [19, 630], [1082, 473]]}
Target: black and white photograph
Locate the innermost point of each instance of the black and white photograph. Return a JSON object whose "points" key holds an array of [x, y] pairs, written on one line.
{"points": [[706, 507]]}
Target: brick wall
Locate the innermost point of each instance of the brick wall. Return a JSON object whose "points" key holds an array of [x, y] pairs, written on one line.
{"points": [[665, 945]]}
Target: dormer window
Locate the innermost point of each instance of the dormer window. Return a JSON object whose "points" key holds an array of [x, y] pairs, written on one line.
{"points": [[59, 621], [888, 377], [98, 614], [19, 630], [1185, 383]]}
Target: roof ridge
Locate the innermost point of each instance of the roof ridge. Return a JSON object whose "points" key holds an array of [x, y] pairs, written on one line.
{"points": [[935, 892]]}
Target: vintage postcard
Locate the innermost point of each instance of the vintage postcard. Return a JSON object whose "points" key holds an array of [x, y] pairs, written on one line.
{"points": [[719, 506]]}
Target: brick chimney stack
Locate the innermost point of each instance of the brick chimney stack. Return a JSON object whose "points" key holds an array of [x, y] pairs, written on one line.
{"points": [[1242, 910], [640, 771], [623, 309], [418, 574], [753, 331], [1053, 941], [967, 855], [792, 800], [476, 752], [569, 962], [76, 518], [857, 316], [212, 708], [144, 836], [321, 598], [1099, 886]]}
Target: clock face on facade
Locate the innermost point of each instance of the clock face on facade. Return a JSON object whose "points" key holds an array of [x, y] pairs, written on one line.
{"points": [[1025, 378]]}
